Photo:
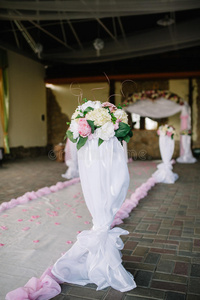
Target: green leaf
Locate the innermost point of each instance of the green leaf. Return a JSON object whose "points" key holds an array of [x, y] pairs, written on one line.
{"points": [[123, 130], [81, 142], [114, 119], [127, 138], [89, 108], [69, 134], [130, 133], [79, 117], [91, 123], [100, 142]]}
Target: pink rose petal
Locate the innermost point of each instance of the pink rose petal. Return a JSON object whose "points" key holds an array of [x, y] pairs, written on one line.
{"points": [[36, 241], [79, 231], [87, 222], [1, 245], [35, 217], [26, 228], [20, 220], [69, 242], [4, 227], [56, 223]]}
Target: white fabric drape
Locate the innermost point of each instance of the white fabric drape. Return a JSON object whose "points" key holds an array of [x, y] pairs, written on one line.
{"points": [[71, 160], [163, 108], [187, 156], [96, 257], [164, 173], [160, 108]]}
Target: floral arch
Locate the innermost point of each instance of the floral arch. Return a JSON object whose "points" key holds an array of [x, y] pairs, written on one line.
{"points": [[162, 104]]}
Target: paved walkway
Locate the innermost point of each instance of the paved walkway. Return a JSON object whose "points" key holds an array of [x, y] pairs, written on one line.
{"points": [[162, 250]]}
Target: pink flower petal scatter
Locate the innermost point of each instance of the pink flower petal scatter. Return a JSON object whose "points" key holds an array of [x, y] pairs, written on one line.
{"points": [[34, 195], [4, 227], [87, 222], [25, 228]]}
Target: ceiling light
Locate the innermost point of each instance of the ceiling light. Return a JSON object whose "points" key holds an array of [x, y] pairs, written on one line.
{"points": [[166, 21], [98, 45]]}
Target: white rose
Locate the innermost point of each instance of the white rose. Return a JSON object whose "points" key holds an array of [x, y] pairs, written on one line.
{"points": [[89, 103], [76, 113], [100, 116], [74, 129], [106, 131], [121, 115], [170, 129]]}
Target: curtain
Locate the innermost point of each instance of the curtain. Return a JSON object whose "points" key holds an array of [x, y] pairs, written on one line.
{"points": [[4, 99]]}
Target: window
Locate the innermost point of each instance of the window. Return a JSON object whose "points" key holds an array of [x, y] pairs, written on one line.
{"points": [[143, 123]]}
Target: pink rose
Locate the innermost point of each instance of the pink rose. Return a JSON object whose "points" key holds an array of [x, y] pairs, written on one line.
{"points": [[84, 128], [169, 133], [116, 125], [111, 106]]}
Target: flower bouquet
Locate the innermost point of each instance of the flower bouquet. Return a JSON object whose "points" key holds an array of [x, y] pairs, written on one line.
{"points": [[166, 130], [186, 132], [97, 120]]}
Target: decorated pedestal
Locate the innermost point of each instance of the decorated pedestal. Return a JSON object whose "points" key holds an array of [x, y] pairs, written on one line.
{"points": [[164, 173], [95, 257], [185, 144], [98, 130]]}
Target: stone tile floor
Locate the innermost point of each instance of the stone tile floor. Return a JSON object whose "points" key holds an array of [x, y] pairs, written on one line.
{"points": [[162, 250]]}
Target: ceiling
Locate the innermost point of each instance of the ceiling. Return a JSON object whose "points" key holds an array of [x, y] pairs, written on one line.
{"points": [[61, 34]]}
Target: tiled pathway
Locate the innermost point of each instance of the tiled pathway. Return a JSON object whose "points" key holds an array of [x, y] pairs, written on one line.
{"points": [[162, 250]]}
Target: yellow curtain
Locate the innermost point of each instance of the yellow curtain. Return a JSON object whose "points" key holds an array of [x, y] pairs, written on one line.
{"points": [[4, 108]]}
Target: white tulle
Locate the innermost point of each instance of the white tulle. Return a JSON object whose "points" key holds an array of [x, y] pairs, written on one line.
{"points": [[96, 257], [186, 156], [164, 173], [71, 161]]}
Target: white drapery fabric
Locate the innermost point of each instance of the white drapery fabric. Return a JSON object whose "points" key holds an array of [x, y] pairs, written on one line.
{"points": [[186, 156], [163, 108], [164, 173], [160, 108], [71, 160], [96, 257]]}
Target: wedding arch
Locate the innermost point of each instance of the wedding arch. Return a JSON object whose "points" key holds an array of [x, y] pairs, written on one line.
{"points": [[163, 104]]}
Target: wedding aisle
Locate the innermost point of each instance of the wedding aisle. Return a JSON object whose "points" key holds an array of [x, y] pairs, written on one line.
{"points": [[34, 235]]}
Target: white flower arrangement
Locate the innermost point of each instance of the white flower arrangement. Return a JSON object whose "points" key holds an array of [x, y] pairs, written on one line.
{"points": [[94, 119], [167, 130]]}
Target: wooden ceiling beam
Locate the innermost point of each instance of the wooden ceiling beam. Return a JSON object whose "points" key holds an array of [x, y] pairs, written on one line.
{"points": [[120, 77]]}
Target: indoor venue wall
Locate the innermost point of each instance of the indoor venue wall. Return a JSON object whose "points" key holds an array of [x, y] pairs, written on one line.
{"points": [[27, 127], [144, 144]]}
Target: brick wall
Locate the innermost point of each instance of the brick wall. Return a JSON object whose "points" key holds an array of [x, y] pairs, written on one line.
{"points": [[56, 121], [145, 145]]}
